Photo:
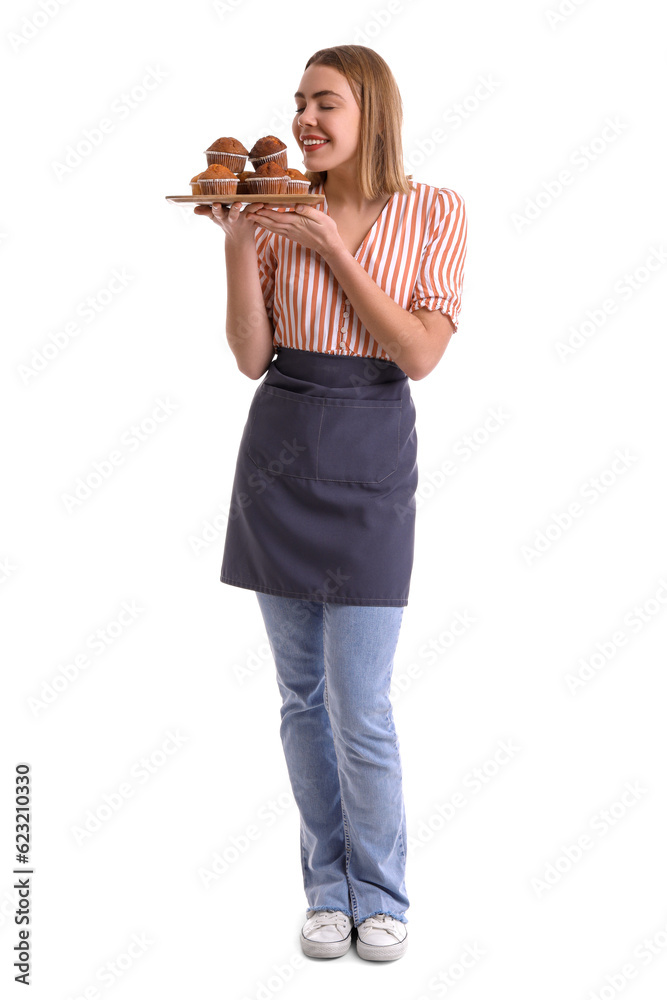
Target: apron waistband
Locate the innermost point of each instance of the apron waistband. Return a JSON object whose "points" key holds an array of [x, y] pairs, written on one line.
{"points": [[335, 370]]}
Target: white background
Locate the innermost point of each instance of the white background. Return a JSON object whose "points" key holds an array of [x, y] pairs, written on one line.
{"points": [[474, 878]]}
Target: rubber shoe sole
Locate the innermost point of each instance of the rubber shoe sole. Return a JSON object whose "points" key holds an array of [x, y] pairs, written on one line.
{"points": [[381, 952], [325, 949]]}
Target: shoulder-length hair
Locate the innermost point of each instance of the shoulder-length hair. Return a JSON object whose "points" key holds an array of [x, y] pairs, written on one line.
{"points": [[380, 150]]}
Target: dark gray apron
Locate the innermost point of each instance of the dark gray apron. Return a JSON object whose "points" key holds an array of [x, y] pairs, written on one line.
{"points": [[323, 500]]}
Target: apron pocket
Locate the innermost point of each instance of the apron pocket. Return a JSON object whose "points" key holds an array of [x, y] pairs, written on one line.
{"points": [[359, 440], [283, 435], [312, 437]]}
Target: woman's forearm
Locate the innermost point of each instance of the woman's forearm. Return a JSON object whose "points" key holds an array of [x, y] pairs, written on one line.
{"points": [[401, 334], [248, 327]]}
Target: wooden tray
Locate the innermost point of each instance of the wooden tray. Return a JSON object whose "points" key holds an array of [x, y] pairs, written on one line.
{"points": [[228, 199]]}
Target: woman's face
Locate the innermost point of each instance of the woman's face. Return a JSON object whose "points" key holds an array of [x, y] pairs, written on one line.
{"points": [[334, 117]]}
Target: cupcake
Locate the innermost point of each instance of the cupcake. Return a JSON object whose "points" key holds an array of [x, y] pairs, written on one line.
{"points": [[228, 151], [269, 178], [218, 179], [196, 188], [243, 187], [297, 183], [266, 149]]}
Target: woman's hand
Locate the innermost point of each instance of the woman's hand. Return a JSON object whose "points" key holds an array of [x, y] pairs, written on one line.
{"points": [[304, 224], [238, 225]]}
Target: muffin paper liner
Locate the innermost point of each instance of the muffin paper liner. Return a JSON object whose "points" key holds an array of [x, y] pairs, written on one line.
{"points": [[218, 185], [235, 161], [297, 187], [280, 158], [267, 185]]}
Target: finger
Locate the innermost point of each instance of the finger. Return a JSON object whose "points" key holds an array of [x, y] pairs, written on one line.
{"points": [[311, 216], [202, 210]]}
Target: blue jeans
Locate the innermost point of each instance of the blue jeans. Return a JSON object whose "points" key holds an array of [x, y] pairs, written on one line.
{"points": [[333, 665]]}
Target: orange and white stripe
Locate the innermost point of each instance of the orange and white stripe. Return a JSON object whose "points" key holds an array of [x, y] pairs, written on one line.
{"points": [[415, 251]]}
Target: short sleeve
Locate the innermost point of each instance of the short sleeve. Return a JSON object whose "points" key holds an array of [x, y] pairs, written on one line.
{"points": [[266, 261], [440, 277]]}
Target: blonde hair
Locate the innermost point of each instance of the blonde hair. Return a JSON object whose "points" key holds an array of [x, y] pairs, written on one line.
{"points": [[380, 149]]}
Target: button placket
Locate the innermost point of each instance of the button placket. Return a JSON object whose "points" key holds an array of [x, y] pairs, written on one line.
{"points": [[343, 324]]}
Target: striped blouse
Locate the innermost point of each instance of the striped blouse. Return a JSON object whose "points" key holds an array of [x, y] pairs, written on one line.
{"points": [[415, 251]]}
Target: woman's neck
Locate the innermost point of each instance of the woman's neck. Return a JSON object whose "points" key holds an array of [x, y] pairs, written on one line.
{"points": [[342, 189]]}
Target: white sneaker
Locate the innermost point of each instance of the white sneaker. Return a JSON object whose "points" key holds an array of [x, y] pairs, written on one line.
{"points": [[381, 938], [326, 933]]}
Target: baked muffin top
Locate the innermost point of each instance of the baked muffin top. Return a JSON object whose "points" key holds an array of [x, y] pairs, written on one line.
{"points": [[195, 178], [242, 174], [217, 170], [227, 145], [269, 169], [266, 145], [296, 175]]}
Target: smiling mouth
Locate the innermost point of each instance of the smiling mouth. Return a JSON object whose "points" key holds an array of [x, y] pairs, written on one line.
{"points": [[310, 145]]}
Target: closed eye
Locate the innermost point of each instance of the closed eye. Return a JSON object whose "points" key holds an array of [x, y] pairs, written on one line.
{"points": [[322, 108]]}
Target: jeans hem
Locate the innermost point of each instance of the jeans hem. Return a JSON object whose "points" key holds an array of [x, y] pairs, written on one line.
{"points": [[397, 916], [348, 913]]}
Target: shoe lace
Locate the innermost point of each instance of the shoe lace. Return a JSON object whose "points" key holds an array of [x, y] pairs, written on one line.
{"points": [[382, 922], [325, 918]]}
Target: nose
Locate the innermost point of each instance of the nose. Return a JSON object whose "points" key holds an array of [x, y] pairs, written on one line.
{"points": [[306, 118]]}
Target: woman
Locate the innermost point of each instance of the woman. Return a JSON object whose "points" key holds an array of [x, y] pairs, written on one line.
{"points": [[355, 296]]}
